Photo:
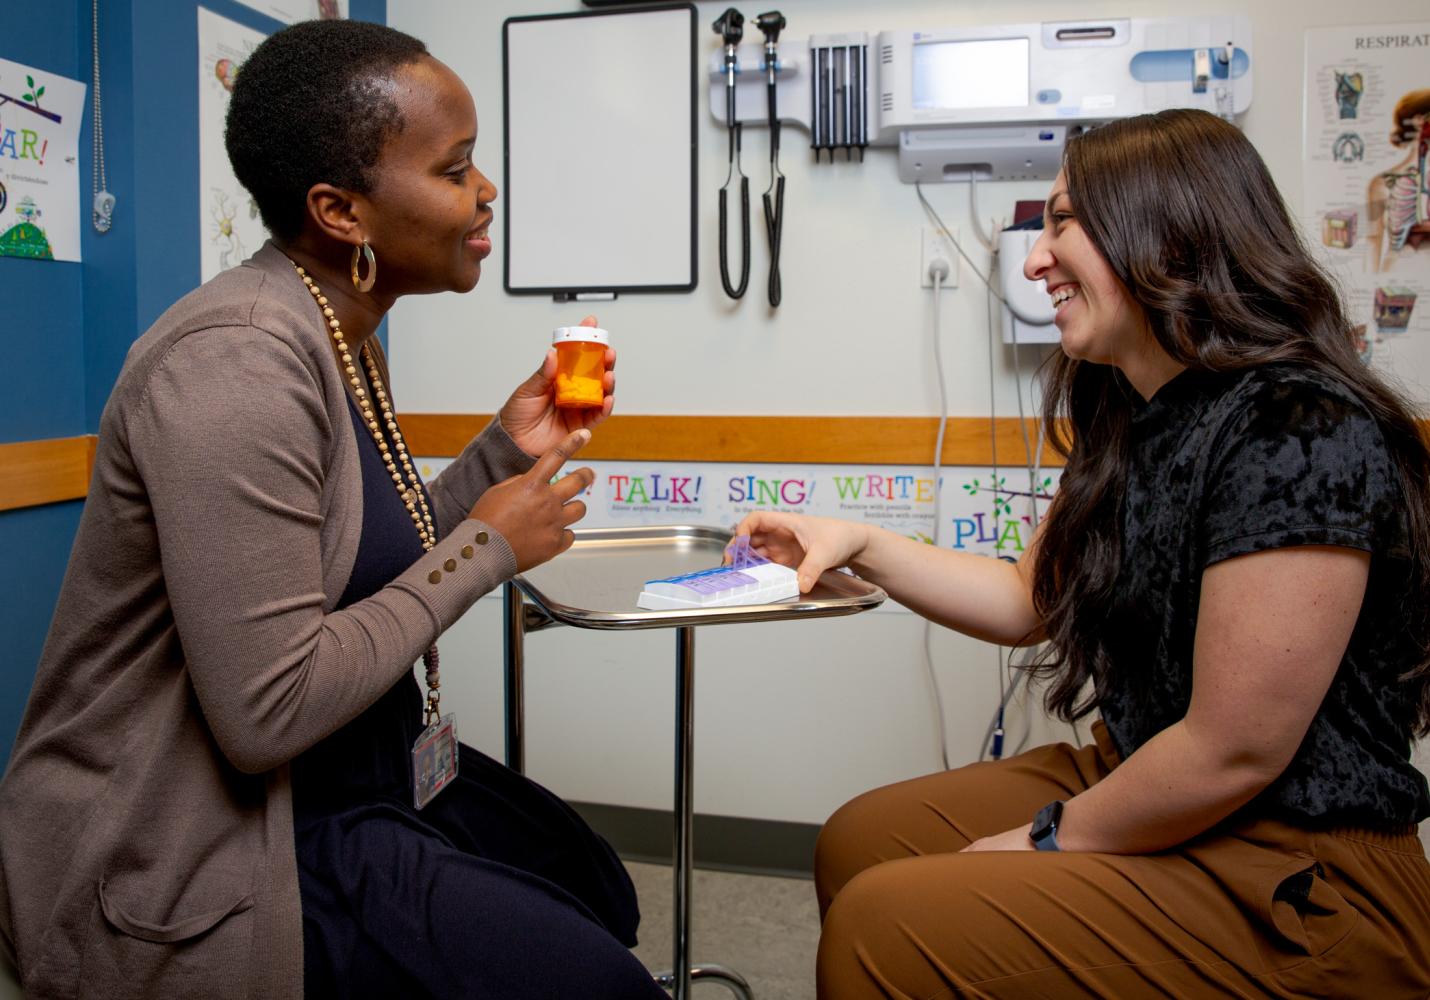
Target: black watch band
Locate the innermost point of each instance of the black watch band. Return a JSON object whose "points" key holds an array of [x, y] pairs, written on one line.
{"points": [[1044, 833]]}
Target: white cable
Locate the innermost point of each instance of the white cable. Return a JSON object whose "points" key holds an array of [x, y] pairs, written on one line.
{"points": [[1038, 455], [1004, 694], [1022, 416], [973, 211], [937, 277], [1019, 679], [993, 443], [995, 224], [1035, 475], [948, 234], [1033, 464]]}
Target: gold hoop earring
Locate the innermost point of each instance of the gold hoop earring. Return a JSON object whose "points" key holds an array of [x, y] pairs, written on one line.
{"points": [[364, 253]]}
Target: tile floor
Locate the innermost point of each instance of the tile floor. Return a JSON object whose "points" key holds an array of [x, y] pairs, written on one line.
{"points": [[765, 928]]}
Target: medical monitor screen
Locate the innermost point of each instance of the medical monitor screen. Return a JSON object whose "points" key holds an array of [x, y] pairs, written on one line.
{"points": [[989, 73]]}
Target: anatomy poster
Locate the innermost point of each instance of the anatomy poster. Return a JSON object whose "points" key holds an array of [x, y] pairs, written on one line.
{"points": [[40, 117], [229, 227], [1367, 194], [293, 11]]}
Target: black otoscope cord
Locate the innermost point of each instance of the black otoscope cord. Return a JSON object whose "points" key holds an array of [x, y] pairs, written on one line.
{"points": [[775, 215], [771, 24], [730, 26], [736, 291]]}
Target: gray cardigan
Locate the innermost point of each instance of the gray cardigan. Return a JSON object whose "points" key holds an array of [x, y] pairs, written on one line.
{"points": [[146, 822]]}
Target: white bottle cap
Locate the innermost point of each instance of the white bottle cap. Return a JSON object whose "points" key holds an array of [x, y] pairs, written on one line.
{"points": [[591, 334]]}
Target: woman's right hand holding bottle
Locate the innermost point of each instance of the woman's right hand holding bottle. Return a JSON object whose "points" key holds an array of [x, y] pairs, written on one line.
{"points": [[810, 545], [534, 514]]}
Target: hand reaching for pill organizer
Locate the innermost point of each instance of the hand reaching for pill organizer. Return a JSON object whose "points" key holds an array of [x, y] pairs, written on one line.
{"points": [[748, 578]]}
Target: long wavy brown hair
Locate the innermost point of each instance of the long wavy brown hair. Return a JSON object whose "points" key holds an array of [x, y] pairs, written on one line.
{"points": [[1184, 211]]}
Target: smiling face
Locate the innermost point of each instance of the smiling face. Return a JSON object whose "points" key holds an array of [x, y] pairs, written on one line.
{"points": [[1097, 317], [428, 213]]}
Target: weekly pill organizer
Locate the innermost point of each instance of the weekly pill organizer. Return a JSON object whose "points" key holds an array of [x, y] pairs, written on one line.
{"points": [[750, 578]]}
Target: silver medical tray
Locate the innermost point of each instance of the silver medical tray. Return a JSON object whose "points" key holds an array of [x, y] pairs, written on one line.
{"points": [[595, 583]]}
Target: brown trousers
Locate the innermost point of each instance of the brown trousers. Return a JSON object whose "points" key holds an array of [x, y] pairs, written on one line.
{"points": [[1260, 909]]}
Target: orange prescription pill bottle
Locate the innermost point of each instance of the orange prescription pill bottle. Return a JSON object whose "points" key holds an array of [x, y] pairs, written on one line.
{"points": [[580, 366]]}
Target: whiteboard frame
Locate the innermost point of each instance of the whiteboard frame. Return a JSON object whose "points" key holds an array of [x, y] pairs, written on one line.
{"points": [[577, 286]]}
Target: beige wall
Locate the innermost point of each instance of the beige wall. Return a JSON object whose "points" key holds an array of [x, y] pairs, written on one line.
{"points": [[792, 719]]}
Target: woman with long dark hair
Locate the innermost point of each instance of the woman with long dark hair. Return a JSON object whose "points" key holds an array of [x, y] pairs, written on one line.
{"points": [[1234, 573]]}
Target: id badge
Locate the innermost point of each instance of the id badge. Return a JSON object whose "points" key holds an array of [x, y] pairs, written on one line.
{"points": [[434, 760]]}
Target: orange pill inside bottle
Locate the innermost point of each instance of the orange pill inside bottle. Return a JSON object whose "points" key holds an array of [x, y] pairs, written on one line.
{"points": [[580, 366]]}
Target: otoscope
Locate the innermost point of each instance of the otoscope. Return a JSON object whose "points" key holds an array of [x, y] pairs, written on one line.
{"points": [[730, 26], [771, 23]]}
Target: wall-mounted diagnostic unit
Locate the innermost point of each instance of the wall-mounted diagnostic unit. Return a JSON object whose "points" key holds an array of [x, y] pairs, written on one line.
{"points": [[993, 102]]}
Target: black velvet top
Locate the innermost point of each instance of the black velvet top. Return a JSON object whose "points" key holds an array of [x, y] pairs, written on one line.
{"points": [[368, 759], [1224, 465]]}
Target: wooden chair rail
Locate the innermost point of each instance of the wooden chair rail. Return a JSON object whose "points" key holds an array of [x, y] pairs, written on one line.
{"points": [[47, 471], [58, 469], [834, 440]]}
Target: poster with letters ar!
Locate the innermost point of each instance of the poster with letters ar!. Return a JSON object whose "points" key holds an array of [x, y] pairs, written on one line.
{"points": [[40, 117], [1367, 183]]}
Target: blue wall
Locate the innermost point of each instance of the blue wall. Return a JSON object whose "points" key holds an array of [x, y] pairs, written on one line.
{"points": [[68, 326], [43, 397]]}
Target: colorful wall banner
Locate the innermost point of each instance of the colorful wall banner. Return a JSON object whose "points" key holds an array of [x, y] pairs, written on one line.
{"points": [[982, 510], [40, 115]]}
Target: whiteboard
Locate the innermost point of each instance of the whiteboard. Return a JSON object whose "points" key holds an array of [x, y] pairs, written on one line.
{"points": [[600, 151]]}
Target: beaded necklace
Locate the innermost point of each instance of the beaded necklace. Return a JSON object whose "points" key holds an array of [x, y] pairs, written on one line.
{"points": [[410, 490]]}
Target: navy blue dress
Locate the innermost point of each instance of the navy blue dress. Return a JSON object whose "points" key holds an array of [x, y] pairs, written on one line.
{"points": [[497, 889]]}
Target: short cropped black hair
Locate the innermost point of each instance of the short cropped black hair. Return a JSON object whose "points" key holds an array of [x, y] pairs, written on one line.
{"points": [[309, 107]]}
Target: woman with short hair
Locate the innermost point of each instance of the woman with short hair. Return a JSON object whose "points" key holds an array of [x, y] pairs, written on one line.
{"points": [[226, 782]]}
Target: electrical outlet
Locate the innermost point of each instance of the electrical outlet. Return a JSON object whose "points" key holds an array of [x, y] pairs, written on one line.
{"points": [[934, 244]]}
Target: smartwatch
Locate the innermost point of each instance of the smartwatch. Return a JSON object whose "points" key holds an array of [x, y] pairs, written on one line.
{"points": [[1044, 833]]}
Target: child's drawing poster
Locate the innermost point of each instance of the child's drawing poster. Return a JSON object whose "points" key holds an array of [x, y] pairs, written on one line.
{"points": [[40, 115]]}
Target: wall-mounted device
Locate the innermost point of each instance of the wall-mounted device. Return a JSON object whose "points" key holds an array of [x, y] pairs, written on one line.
{"points": [[730, 26], [771, 23], [839, 94], [1028, 318], [996, 102]]}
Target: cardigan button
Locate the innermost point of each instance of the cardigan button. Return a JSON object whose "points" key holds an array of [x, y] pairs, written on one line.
{"points": [[450, 565], [435, 576], [482, 538], [467, 551]]}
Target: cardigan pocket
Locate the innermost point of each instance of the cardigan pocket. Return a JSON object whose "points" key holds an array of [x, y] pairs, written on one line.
{"points": [[168, 933], [203, 948]]}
